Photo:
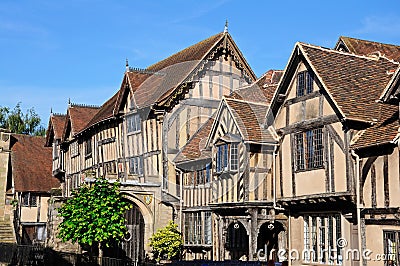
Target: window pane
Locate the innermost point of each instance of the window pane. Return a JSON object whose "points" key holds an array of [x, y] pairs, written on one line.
{"points": [[300, 84], [234, 156], [299, 150], [309, 85], [207, 228], [306, 238]]}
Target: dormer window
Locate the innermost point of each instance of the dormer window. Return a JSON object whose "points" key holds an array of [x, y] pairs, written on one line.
{"points": [[305, 83], [227, 157]]}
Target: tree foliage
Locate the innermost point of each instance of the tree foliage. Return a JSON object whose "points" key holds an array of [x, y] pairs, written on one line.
{"points": [[167, 242], [94, 214], [19, 122]]}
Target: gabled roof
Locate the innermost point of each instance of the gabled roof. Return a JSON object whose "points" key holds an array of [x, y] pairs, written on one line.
{"points": [[78, 117], [159, 82], [354, 83], [177, 69], [261, 90], [56, 128], [384, 131], [249, 117], [195, 147], [31, 164], [365, 47]]}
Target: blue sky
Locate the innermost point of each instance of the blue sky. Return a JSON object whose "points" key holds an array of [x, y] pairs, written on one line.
{"points": [[55, 50]]}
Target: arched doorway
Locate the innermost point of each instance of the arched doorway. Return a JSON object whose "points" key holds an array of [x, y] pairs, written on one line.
{"points": [[268, 239], [133, 244], [237, 241]]}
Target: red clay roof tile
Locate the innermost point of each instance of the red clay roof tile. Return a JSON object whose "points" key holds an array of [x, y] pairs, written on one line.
{"points": [[31, 164]]}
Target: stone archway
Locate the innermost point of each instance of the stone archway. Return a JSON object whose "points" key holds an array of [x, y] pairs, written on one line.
{"points": [[237, 241], [140, 223], [269, 238]]}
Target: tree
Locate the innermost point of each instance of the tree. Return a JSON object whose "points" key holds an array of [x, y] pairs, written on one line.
{"points": [[18, 122], [167, 242], [94, 215]]}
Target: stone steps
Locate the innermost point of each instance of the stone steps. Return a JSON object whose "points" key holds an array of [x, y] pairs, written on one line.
{"points": [[6, 232]]}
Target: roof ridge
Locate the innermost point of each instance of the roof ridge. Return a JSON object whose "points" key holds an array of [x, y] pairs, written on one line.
{"points": [[142, 70], [84, 105], [248, 102], [346, 53], [58, 114], [364, 40], [221, 34]]}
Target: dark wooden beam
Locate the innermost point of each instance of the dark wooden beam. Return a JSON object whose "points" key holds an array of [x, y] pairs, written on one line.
{"points": [[303, 98], [308, 124]]}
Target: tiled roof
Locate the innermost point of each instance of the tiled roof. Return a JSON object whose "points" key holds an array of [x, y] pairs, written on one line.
{"points": [[250, 117], [31, 164], [194, 148], [80, 115], [355, 82], [172, 71], [55, 129], [191, 53], [384, 131], [105, 112], [58, 122], [364, 47], [111, 106], [262, 90]]}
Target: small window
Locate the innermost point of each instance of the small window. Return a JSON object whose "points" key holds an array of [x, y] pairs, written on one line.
{"points": [[88, 147], [136, 165], [391, 247], [74, 149], [308, 149], [110, 167], [133, 123], [56, 150], [29, 199], [234, 157], [305, 83], [227, 156]]}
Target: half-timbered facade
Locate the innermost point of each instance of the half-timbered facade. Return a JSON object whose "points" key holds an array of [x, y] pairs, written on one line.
{"points": [[227, 192], [136, 133], [326, 115]]}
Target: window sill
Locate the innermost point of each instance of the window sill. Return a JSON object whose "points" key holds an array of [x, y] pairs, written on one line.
{"points": [[309, 169], [133, 132]]}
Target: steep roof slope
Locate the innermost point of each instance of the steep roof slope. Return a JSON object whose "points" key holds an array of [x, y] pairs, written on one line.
{"points": [[365, 47], [355, 82], [383, 132], [195, 147], [79, 116], [31, 164], [262, 90], [250, 118], [55, 129]]}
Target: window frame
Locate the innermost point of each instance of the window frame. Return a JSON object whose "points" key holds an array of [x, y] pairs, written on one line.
{"points": [[74, 146], [304, 83], [133, 123], [197, 228], [137, 167], [308, 150], [29, 199], [88, 147], [321, 230], [224, 159], [396, 234]]}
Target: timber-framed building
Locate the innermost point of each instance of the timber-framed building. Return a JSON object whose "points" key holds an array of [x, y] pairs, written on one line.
{"points": [[300, 159]]}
